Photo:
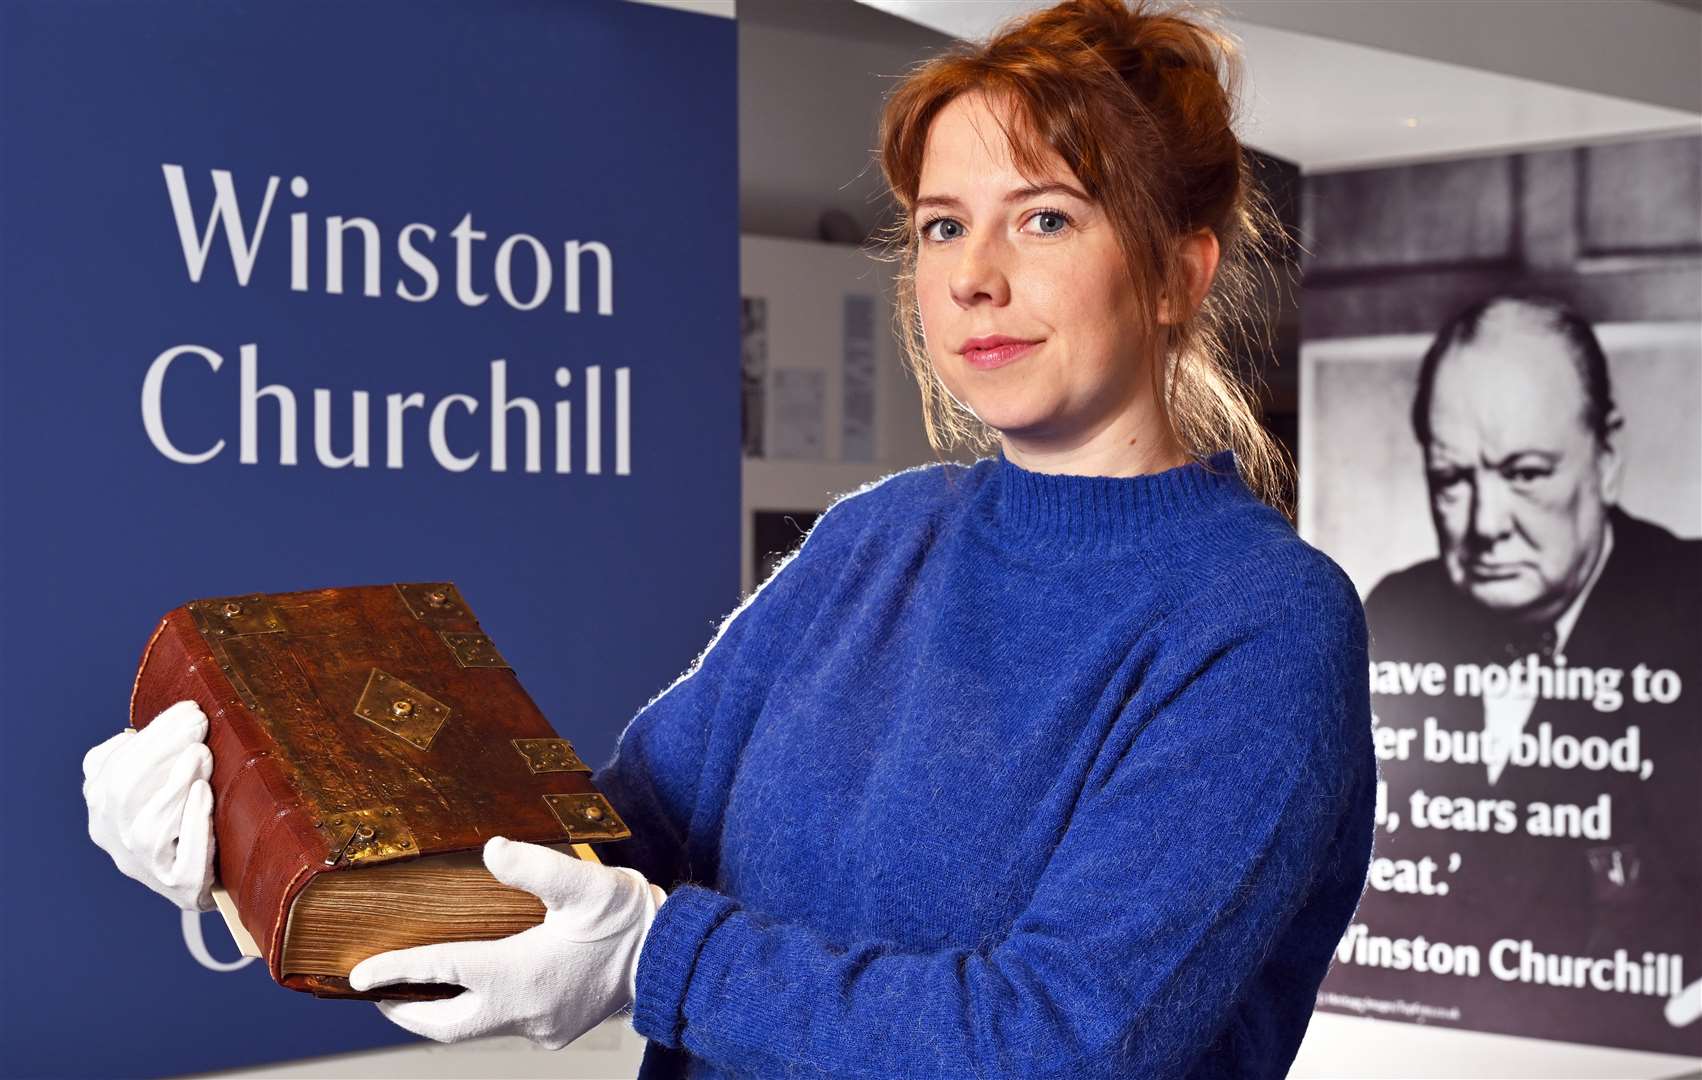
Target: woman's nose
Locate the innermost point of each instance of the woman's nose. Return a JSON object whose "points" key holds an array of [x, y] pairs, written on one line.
{"points": [[979, 275]]}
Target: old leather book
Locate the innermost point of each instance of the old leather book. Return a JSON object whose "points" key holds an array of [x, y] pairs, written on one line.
{"points": [[366, 742]]}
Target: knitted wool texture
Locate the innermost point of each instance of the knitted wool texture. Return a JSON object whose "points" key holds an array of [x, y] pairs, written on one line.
{"points": [[1008, 774]]}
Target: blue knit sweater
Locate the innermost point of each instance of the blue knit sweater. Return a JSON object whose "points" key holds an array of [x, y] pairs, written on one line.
{"points": [[1008, 774]]}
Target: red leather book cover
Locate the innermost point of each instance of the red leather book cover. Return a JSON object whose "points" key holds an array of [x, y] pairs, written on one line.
{"points": [[355, 727]]}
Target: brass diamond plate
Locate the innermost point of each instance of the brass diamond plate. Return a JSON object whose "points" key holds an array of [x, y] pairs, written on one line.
{"points": [[401, 709]]}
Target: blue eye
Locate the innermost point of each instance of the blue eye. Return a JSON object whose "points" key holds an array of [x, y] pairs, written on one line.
{"points": [[1059, 214], [931, 222]]}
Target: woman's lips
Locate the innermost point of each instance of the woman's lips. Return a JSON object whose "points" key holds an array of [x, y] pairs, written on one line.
{"points": [[999, 355]]}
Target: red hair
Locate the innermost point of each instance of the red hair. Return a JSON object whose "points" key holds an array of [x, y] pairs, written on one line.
{"points": [[1138, 102]]}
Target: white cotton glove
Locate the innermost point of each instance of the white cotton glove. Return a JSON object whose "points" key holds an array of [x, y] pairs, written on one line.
{"points": [[552, 982], [151, 807]]}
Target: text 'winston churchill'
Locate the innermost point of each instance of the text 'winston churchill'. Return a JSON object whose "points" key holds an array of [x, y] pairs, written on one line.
{"points": [[521, 272]]}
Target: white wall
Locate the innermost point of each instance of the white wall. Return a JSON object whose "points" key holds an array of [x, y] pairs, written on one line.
{"points": [[805, 283], [1638, 50], [812, 76]]}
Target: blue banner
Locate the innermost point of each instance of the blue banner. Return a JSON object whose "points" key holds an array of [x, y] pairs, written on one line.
{"points": [[307, 295]]}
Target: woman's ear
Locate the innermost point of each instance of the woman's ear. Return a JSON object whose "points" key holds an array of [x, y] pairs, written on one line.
{"points": [[1199, 254]]}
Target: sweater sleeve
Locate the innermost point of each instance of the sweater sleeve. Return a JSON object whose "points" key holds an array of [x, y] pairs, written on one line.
{"points": [[1242, 752], [666, 778]]}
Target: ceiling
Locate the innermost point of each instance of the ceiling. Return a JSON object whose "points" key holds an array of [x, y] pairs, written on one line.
{"points": [[1333, 86]]}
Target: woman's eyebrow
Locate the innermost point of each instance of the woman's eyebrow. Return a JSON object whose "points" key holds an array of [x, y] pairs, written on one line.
{"points": [[1016, 195]]}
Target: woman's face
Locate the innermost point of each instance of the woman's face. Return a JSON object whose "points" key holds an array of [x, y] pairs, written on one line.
{"points": [[998, 258]]}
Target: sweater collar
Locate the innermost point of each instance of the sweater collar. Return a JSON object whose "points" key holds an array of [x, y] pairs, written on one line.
{"points": [[1070, 512]]}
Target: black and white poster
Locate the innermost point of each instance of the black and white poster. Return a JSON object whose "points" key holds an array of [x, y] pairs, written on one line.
{"points": [[1501, 442]]}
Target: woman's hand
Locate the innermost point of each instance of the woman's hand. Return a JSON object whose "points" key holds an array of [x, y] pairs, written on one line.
{"points": [[551, 983], [151, 808]]}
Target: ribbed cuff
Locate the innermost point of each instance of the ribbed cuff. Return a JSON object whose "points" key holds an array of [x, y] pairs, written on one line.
{"points": [[683, 923]]}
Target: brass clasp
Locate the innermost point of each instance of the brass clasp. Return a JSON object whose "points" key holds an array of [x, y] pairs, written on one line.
{"points": [[373, 834]]}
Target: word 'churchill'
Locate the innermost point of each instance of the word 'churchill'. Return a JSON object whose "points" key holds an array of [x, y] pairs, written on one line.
{"points": [[396, 409], [523, 271]]}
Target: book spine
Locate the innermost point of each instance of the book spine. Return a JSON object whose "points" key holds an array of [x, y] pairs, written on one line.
{"points": [[266, 842]]}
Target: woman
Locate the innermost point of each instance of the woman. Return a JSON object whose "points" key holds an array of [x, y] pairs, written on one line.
{"points": [[1054, 765]]}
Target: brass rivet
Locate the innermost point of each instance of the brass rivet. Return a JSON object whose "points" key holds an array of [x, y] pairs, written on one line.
{"points": [[318, 824], [406, 843], [402, 708]]}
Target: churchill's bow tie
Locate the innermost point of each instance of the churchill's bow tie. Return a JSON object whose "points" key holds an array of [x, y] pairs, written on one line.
{"points": [[1522, 639]]}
